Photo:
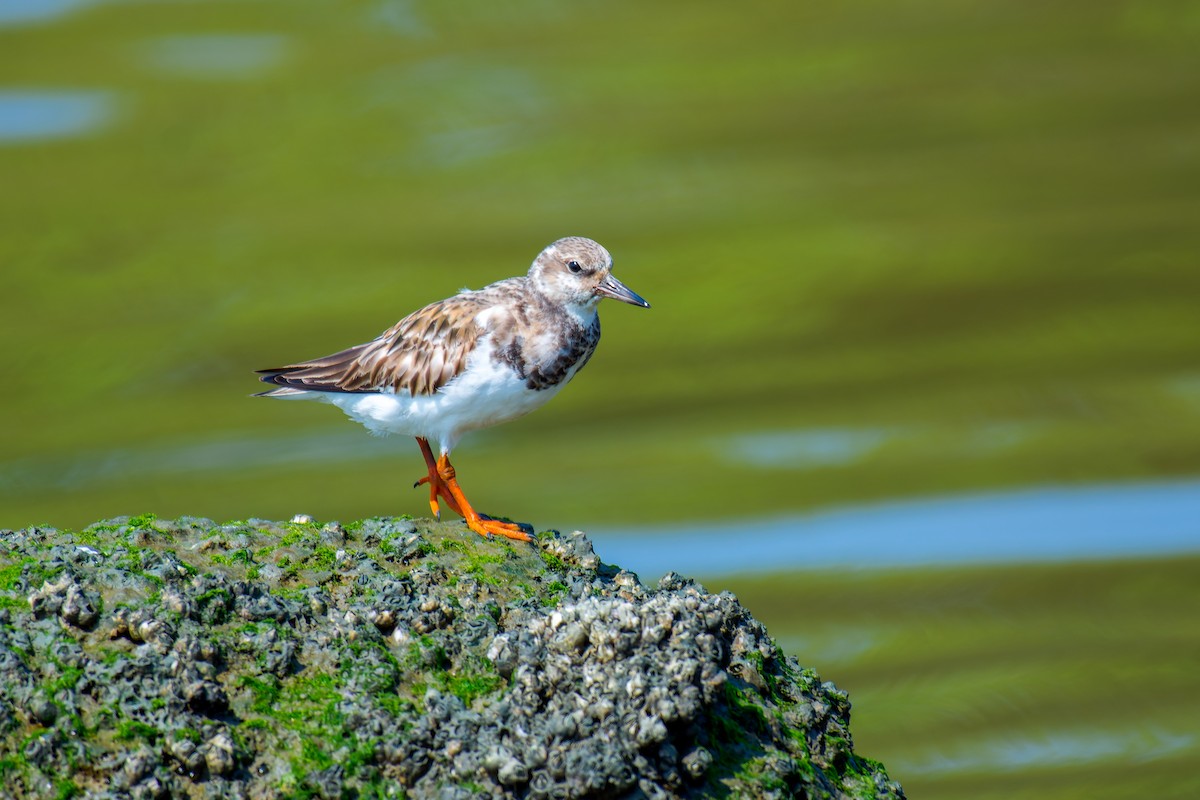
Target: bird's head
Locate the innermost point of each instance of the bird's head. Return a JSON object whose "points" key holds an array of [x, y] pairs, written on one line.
{"points": [[578, 272]]}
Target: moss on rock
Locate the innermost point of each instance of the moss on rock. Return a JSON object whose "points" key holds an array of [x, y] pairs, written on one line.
{"points": [[396, 658]]}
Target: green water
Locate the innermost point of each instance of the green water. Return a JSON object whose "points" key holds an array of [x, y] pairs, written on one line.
{"points": [[959, 241], [1063, 681]]}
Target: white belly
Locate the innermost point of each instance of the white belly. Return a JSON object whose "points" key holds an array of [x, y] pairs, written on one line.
{"points": [[486, 393]]}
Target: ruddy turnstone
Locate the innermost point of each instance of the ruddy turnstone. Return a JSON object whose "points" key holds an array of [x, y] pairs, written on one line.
{"points": [[470, 361]]}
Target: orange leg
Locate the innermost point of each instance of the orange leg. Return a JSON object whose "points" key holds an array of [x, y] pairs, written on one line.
{"points": [[444, 484], [436, 487]]}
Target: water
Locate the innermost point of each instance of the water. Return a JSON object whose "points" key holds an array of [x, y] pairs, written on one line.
{"points": [[30, 115], [805, 448], [188, 460], [215, 56], [815, 448], [1026, 680], [31, 12], [1052, 750], [1027, 526]]}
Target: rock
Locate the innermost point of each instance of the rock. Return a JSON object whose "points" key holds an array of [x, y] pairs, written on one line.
{"points": [[219, 756], [392, 657], [697, 762], [327, 782], [44, 710], [66, 598], [512, 773]]}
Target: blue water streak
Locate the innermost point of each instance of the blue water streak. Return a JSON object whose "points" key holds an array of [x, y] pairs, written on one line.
{"points": [[1033, 525], [32, 12], [35, 115]]}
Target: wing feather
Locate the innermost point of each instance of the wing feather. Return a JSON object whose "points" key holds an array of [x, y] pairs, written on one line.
{"points": [[419, 354]]}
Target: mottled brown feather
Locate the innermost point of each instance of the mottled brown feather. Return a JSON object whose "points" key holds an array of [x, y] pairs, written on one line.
{"points": [[420, 354]]}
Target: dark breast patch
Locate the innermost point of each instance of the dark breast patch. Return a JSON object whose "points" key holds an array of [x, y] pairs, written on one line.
{"points": [[513, 355], [575, 345]]}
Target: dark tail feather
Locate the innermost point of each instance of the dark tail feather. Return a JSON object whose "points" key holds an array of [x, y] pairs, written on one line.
{"points": [[277, 376], [299, 379]]}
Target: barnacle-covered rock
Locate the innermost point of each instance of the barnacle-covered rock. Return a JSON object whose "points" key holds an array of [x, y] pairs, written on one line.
{"points": [[65, 598], [149, 658]]}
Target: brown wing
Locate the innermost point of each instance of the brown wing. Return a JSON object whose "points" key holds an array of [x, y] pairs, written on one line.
{"points": [[420, 353]]}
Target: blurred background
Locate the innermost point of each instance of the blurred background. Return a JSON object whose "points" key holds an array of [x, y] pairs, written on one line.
{"points": [[924, 353]]}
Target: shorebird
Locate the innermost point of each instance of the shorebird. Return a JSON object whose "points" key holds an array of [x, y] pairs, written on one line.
{"points": [[468, 362]]}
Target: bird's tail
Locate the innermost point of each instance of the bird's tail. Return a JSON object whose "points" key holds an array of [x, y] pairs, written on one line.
{"points": [[282, 390]]}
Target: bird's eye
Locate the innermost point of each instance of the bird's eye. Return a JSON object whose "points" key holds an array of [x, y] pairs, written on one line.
{"points": [[574, 266]]}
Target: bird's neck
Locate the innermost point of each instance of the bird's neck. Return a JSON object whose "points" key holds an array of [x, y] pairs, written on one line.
{"points": [[582, 313]]}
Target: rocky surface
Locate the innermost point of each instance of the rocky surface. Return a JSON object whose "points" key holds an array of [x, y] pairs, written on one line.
{"points": [[152, 658]]}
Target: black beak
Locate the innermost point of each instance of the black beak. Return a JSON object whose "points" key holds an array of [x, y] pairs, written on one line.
{"points": [[611, 287]]}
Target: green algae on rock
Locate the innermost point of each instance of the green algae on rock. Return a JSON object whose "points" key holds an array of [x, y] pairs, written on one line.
{"points": [[390, 657]]}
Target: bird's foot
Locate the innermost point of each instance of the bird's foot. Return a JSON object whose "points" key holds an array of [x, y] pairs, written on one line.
{"points": [[438, 490], [482, 524], [489, 528], [443, 486]]}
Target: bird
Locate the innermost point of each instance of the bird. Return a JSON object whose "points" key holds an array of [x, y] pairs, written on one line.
{"points": [[476, 359]]}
